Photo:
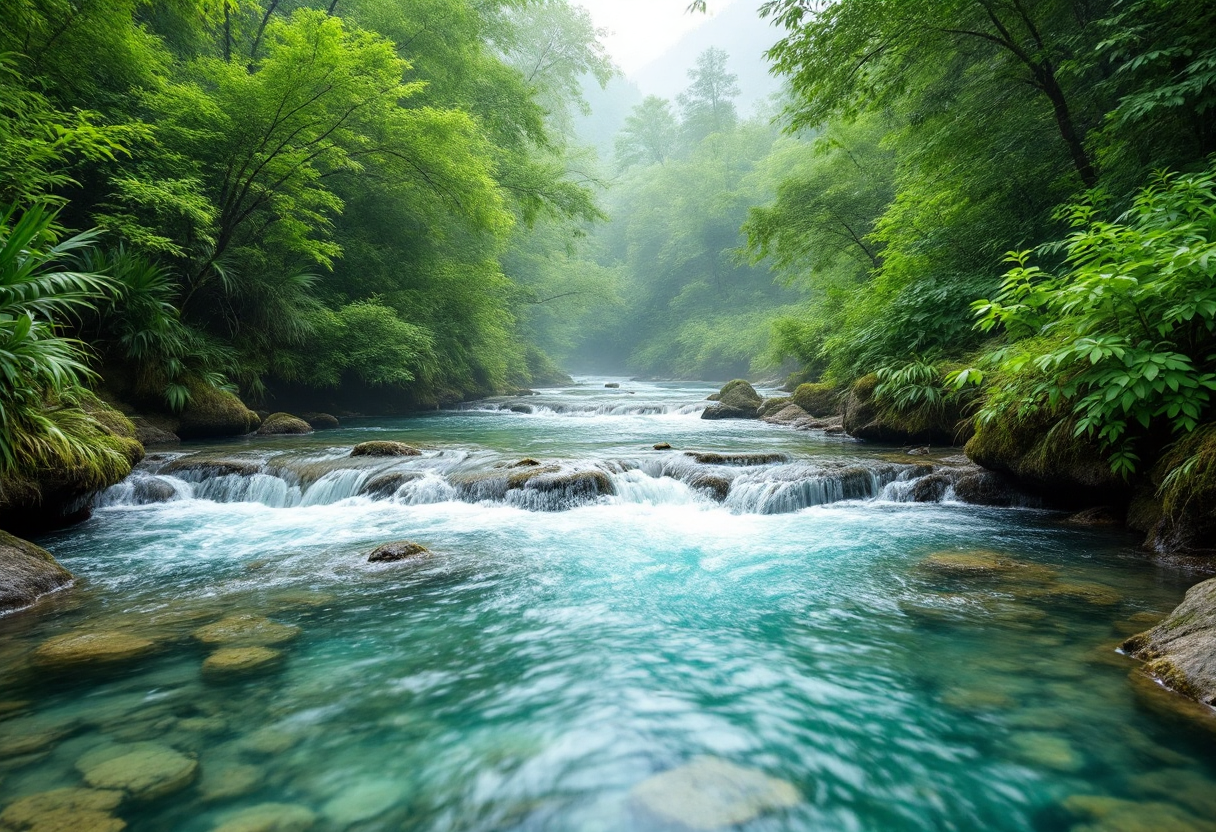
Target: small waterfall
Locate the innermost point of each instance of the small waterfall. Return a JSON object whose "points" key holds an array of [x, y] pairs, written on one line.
{"points": [[744, 483], [589, 409]]}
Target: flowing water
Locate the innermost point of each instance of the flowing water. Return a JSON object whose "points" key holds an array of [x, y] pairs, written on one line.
{"points": [[585, 624]]}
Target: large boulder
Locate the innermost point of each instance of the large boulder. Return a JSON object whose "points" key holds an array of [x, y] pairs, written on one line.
{"points": [[818, 399], [27, 572], [283, 424], [322, 421], [1181, 650], [212, 413], [1045, 456], [865, 418], [736, 400]]}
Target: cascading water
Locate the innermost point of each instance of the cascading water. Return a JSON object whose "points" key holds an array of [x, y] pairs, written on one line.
{"points": [[754, 606]]}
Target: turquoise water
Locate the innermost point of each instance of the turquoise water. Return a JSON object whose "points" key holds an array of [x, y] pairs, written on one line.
{"points": [[561, 647]]}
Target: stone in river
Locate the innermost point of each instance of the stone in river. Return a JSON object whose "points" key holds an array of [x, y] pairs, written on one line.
{"points": [[27, 572], [1112, 814], [711, 793], [64, 810], [362, 802], [385, 448], [399, 550], [145, 770], [223, 781], [92, 648], [1046, 750], [246, 629], [1181, 650], [663, 446], [269, 817], [228, 662]]}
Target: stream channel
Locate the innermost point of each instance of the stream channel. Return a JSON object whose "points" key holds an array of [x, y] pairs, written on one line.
{"points": [[619, 613]]}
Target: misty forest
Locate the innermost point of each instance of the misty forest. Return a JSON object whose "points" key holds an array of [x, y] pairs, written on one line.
{"points": [[411, 419]]}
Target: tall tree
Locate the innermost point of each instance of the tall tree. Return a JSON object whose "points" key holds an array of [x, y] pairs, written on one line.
{"points": [[650, 134], [708, 104]]}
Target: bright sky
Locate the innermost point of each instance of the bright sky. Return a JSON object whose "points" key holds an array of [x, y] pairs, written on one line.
{"points": [[640, 30]]}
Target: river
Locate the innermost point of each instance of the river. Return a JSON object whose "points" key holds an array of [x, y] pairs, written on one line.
{"points": [[571, 638]]}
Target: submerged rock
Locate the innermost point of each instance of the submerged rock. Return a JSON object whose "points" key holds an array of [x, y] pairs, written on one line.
{"points": [[384, 448], [282, 424], [1181, 650], [1112, 814], [65, 810], [1046, 750], [229, 662], [27, 572], [246, 629], [144, 770], [710, 793], [978, 563], [100, 647], [224, 781], [398, 550], [269, 817], [361, 802]]}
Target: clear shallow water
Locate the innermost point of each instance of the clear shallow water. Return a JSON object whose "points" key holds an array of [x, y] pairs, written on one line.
{"points": [[545, 662]]}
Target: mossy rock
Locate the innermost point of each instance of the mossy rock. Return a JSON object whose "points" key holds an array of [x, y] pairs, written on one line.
{"points": [[739, 395], [322, 421], [865, 418], [774, 405], [384, 448], [283, 424], [819, 399], [59, 495], [234, 662], [27, 572], [1044, 455], [213, 413], [1181, 650]]}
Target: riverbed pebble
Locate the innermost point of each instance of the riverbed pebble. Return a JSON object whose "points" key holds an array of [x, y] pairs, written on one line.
{"points": [[228, 662]]}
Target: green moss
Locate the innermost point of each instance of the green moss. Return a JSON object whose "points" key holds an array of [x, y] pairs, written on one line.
{"points": [[214, 412], [1187, 476], [1043, 451], [775, 405], [818, 399]]}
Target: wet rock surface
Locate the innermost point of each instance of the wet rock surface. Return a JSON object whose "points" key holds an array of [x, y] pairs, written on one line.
{"points": [[27, 572], [1181, 650], [398, 551], [384, 449], [231, 662], [64, 810]]}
